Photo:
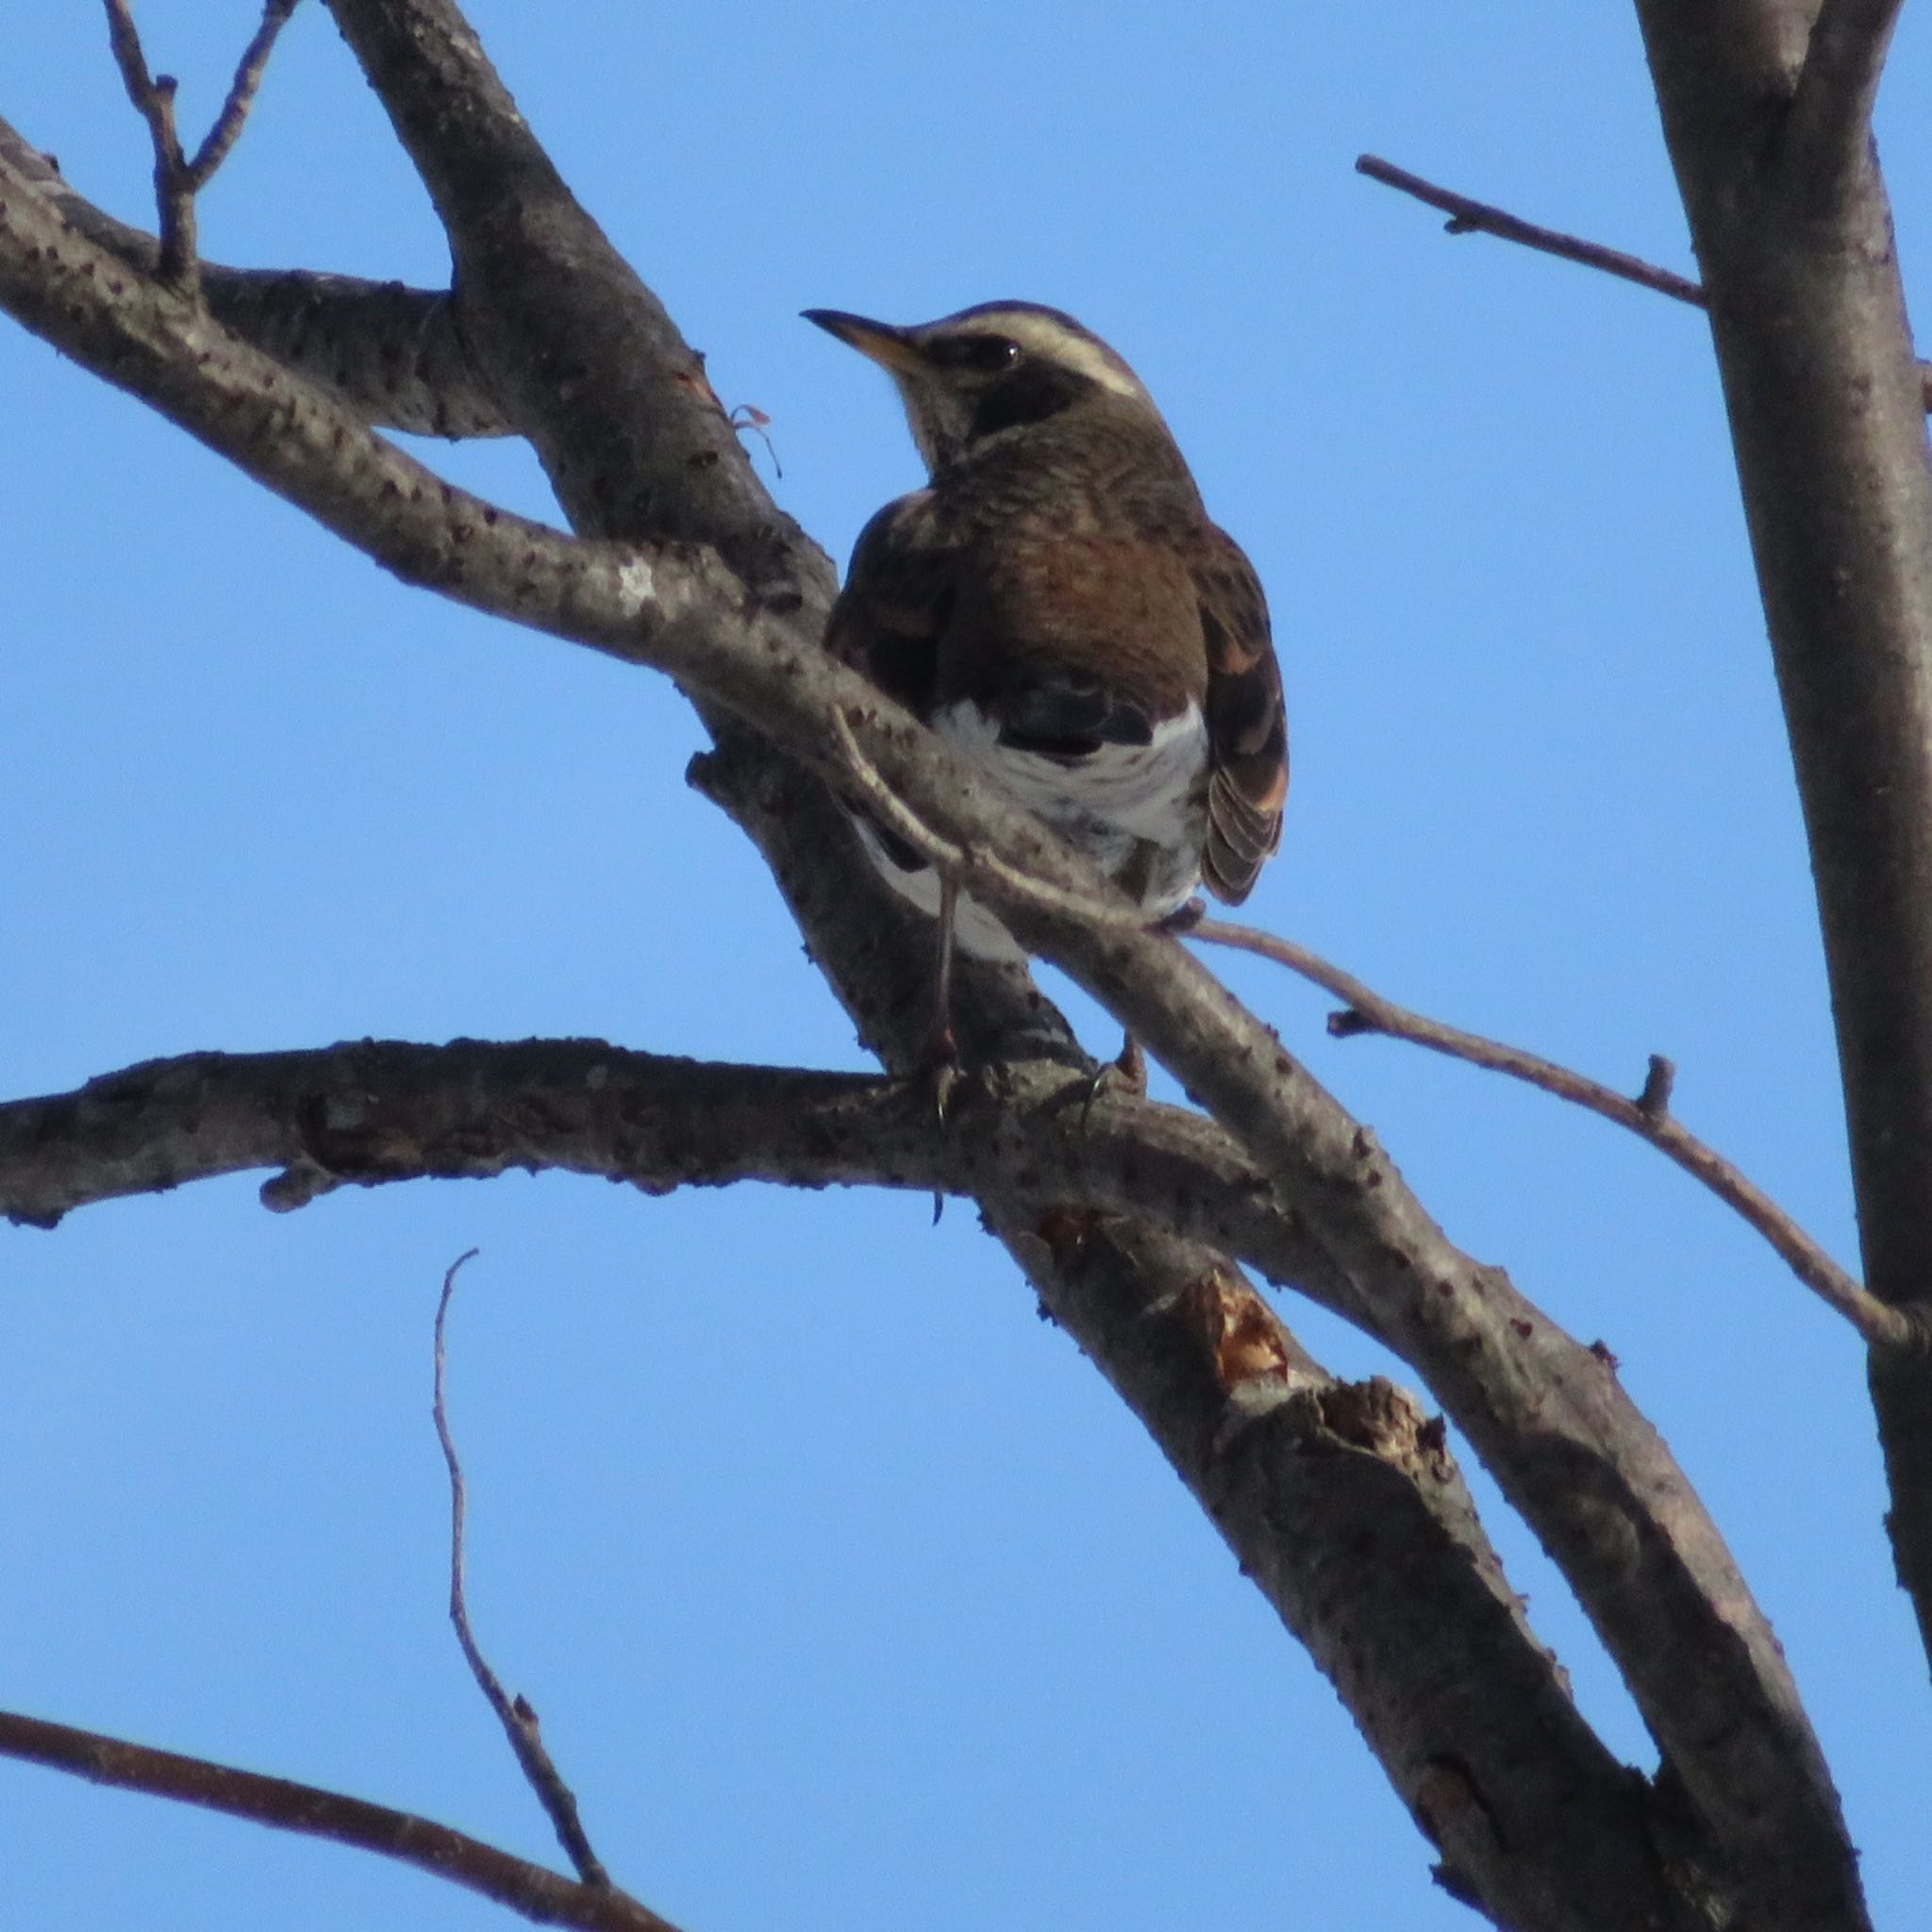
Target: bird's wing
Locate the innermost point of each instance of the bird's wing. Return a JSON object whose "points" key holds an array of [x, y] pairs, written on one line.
{"points": [[1247, 724], [898, 593]]}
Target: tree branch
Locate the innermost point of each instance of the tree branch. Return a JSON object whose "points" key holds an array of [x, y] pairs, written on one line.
{"points": [[153, 101], [1829, 129], [1648, 1115], [737, 627], [1508, 1375], [1340, 1500], [222, 137], [368, 1113], [583, 357], [177, 179], [545, 1896], [394, 357], [517, 1720], [1470, 217], [1808, 322]]}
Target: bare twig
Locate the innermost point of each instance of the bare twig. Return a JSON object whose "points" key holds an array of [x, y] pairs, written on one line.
{"points": [[222, 137], [548, 1898], [517, 1720], [1467, 217], [1588, 1474], [1367, 1011], [154, 100], [1470, 217], [178, 180]]}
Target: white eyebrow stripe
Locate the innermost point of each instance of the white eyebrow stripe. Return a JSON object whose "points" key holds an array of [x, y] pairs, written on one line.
{"points": [[1054, 343]]}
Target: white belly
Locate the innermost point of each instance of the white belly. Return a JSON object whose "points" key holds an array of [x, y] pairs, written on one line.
{"points": [[1137, 810]]}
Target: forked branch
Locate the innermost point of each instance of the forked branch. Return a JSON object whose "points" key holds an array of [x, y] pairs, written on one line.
{"points": [[154, 100], [178, 179]]}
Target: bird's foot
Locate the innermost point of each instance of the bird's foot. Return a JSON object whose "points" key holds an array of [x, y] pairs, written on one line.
{"points": [[940, 1073], [1181, 920]]}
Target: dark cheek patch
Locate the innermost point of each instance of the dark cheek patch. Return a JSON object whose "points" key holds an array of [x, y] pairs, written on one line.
{"points": [[1033, 392]]}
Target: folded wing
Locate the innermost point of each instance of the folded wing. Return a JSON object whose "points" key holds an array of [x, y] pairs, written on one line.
{"points": [[1247, 724]]}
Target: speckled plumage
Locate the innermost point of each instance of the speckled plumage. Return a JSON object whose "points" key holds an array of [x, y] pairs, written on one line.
{"points": [[1057, 604]]}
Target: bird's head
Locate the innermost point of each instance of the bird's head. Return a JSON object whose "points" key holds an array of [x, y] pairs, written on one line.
{"points": [[988, 368]]}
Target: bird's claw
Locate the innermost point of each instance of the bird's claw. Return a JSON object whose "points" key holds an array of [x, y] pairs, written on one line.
{"points": [[939, 1069], [1127, 1074]]}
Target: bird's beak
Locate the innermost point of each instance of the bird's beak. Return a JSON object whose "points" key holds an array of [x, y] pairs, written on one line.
{"points": [[890, 347]]}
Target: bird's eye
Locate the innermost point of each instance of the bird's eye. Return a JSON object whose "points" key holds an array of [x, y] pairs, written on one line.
{"points": [[981, 354]]}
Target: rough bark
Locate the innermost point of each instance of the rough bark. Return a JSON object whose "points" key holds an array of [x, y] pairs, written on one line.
{"points": [[1793, 227], [392, 355], [695, 572], [1342, 1501]]}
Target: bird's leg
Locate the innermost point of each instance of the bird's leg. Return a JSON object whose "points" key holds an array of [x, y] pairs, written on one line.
{"points": [[1128, 1072], [939, 1062], [941, 1059]]}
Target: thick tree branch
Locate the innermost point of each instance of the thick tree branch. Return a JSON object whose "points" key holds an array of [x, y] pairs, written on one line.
{"points": [[393, 356], [1829, 129], [586, 360], [545, 1896], [1808, 322], [1569, 1451], [367, 1113], [1342, 1501]]}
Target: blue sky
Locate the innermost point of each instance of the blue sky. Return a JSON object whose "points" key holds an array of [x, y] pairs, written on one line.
{"points": [[848, 1594]]}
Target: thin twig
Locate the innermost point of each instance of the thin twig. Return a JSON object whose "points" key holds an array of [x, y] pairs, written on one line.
{"points": [[1470, 217], [178, 180], [1467, 217], [227, 128], [1367, 1011], [154, 100], [547, 1897], [517, 1720]]}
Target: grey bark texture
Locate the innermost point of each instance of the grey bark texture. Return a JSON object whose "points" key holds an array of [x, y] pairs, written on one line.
{"points": [[1768, 130], [1129, 1220]]}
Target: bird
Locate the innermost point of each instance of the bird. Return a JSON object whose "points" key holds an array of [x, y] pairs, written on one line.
{"points": [[1056, 605]]}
